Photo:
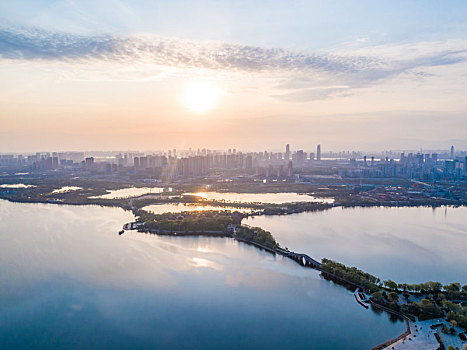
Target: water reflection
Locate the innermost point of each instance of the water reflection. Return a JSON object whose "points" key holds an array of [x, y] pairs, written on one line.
{"points": [[405, 244], [132, 192], [16, 186], [65, 189], [65, 270], [276, 198], [181, 207]]}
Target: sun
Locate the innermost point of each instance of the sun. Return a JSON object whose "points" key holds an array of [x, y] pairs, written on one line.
{"points": [[201, 96]]}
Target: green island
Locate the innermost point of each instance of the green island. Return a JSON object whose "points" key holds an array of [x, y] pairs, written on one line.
{"points": [[215, 223]]}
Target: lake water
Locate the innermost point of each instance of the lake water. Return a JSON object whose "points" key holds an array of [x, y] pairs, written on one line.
{"points": [[130, 192], [66, 189], [180, 207], [403, 244], [276, 198], [68, 280], [16, 186]]}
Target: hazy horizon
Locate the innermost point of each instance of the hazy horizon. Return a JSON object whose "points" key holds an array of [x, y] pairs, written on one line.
{"points": [[111, 75]]}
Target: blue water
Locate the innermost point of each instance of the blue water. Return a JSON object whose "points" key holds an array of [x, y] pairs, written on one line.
{"points": [[67, 280], [403, 244]]}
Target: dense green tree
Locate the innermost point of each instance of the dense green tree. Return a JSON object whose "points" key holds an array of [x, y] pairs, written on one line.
{"points": [[377, 297], [453, 287], [390, 284], [434, 286], [393, 297]]}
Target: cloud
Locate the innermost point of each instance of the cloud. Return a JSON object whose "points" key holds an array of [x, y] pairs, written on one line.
{"points": [[33, 44], [311, 76]]}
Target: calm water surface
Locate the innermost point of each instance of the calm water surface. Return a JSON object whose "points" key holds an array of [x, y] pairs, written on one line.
{"points": [[404, 244], [67, 280], [16, 186], [276, 198], [130, 192], [180, 207], [65, 189]]}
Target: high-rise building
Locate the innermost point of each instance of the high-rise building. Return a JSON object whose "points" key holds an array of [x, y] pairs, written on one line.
{"points": [[452, 152], [318, 152], [287, 152], [89, 163], [290, 169], [143, 162], [300, 156]]}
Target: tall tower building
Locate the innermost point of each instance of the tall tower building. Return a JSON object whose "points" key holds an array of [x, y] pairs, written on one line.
{"points": [[318, 152], [290, 169], [452, 152], [287, 152]]}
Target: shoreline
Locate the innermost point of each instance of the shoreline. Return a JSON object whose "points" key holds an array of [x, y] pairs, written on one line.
{"points": [[124, 203]]}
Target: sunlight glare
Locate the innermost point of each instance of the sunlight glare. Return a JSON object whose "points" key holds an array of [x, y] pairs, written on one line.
{"points": [[201, 96]]}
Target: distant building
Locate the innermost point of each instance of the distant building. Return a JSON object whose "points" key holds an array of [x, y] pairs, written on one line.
{"points": [[300, 156], [290, 169], [143, 162], [89, 163], [318, 152]]}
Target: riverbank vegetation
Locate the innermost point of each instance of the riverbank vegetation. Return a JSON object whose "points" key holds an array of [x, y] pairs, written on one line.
{"points": [[427, 300], [258, 235], [349, 276]]}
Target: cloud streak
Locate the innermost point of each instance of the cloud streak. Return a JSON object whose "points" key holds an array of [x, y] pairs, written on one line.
{"points": [[352, 71], [33, 44]]}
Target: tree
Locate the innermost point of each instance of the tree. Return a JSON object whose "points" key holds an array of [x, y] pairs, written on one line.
{"points": [[429, 307], [391, 284], [393, 297], [403, 286], [453, 287], [434, 286], [377, 297], [453, 323]]}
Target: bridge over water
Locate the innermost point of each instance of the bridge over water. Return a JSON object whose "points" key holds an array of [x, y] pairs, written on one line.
{"points": [[302, 259]]}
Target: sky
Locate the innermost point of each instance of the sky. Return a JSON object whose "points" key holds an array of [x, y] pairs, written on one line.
{"points": [[251, 75]]}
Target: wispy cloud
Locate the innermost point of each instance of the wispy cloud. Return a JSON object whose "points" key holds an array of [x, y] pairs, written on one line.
{"points": [[32, 44], [345, 71]]}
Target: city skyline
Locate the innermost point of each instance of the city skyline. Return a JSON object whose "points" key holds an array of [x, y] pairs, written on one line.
{"points": [[114, 74]]}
